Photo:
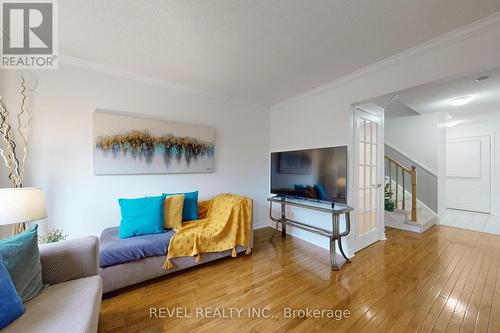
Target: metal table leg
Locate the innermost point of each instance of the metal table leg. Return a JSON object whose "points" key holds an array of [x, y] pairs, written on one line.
{"points": [[342, 250], [348, 227], [283, 219], [337, 260]]}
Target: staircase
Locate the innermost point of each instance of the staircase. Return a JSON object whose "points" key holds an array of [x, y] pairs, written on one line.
{"points": [[401, 219], [410, 213]]}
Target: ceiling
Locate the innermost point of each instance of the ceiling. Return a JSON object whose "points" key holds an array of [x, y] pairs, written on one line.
{"points": [[434, 97], [261, 51]]}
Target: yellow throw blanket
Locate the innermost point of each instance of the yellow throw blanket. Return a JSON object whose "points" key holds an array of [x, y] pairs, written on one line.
{"points": [[227, 223]]}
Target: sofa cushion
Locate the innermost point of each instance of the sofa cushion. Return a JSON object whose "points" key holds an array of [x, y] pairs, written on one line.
{"points": [[190, 208], [11, 305], [21, 257], [72, 306], [173, 211], [113, 250], [141, 216]]}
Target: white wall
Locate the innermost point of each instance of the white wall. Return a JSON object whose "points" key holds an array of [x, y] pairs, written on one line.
{"points": [[416, 137], [421, 139], [61, 145], [442, 167], [491, 127], [324, 117]]}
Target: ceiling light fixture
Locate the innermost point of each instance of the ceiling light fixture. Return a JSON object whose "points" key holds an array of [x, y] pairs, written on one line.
{"points": [[461, 100]]}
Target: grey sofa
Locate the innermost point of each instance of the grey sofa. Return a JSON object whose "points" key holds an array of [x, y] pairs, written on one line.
{"points": [[127, 274], [72, 301], [132, 272]]}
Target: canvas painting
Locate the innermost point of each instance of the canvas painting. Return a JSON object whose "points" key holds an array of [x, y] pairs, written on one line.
{"points": [[129, 144]]}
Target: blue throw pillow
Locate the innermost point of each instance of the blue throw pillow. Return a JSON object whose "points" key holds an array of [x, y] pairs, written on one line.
{"points": [[190, 209], [320, 192], [142, 216], [21, 257], [11, 305]]}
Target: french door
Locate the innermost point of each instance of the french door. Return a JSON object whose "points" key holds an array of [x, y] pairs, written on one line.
{"points": [[368, 162]]}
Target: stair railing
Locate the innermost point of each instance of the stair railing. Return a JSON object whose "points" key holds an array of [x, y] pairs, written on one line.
{"points": [[412, 173]]}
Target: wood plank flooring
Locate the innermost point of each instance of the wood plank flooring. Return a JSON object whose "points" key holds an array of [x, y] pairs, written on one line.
{"points": [[446, 280]]}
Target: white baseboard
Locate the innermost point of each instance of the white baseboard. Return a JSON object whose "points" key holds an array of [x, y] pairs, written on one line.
{"points": [[260, 225]]}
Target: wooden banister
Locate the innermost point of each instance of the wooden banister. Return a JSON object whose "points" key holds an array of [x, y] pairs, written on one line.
{"points": [[414, 193], [412, 172]]}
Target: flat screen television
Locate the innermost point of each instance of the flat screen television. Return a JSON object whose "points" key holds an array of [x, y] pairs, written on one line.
{"points": [[316, 174]]}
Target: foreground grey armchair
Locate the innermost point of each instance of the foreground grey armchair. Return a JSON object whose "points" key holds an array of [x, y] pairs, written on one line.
{"points": [[72, 301]]}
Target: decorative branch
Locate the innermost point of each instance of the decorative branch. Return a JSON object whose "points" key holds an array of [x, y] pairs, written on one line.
{"points": [[23, 129], [9, 154], [16, 165]]}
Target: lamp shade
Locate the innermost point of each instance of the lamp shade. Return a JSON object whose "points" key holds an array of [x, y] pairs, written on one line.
{"points": [[21, 205]]}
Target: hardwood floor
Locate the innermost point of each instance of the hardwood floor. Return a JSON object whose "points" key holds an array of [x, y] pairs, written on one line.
{"points": [[444, 280]]}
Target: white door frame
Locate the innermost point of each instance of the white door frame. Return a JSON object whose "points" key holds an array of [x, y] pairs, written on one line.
{"points": [[357, 112], [492, 161]]}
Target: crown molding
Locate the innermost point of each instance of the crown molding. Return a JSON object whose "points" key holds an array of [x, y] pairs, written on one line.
{"points": [[475, 28], [150, 80]]}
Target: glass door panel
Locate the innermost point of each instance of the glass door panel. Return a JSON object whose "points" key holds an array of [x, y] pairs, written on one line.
{"points": [[368, 171]]}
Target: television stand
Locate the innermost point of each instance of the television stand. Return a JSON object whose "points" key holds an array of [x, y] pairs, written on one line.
{"points": [[335, 236]]}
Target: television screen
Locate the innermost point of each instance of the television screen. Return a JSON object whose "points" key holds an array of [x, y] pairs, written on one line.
{"points": [[317, 174]]}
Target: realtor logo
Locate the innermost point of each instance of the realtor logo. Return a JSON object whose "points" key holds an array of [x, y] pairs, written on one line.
{"points": [[28, 34]]}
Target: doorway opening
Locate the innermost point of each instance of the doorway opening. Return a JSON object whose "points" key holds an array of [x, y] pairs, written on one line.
{"points": [[441, 159]]}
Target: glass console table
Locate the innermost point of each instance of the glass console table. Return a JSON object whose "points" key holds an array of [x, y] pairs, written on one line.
{"points": [[335, 236]]}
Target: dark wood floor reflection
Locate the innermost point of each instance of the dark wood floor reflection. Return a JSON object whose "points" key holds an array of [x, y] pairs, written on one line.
{"points": [[444, 280]]}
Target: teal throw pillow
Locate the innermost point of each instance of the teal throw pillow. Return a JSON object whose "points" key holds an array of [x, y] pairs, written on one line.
{"points": [[190, 208], [21, 257], [142, 216], [11, 305]]}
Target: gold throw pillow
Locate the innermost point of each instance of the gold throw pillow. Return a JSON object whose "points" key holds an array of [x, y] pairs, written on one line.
{"points": [[173, 211]]}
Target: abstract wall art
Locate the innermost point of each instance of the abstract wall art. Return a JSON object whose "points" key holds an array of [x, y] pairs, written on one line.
{"points": [[129, 144]]}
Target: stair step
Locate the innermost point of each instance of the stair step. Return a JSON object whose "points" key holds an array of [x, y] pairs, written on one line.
{"points": [[422, 218], [399, 221]]}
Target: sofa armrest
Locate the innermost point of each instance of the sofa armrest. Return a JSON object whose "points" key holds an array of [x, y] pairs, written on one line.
{"points": [[69, 260]]}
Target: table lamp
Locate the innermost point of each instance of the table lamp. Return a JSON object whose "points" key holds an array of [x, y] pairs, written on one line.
{"points": [[21, 205]]}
